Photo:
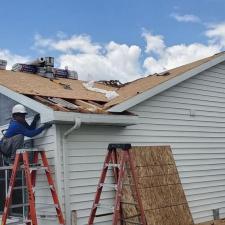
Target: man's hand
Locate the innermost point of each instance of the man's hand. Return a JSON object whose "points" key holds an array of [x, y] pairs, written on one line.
{"points": [[37, 117], [47, 125]]}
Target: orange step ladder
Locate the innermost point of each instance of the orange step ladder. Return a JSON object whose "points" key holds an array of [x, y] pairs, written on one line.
{"points": [[22, 162], [119, 166]]}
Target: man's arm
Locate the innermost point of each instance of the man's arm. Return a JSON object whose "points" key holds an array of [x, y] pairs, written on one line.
{"points": [[18, 128], [33, 125], [31, 133]]}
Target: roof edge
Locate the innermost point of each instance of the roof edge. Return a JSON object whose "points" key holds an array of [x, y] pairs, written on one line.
{"points": [[94, 119], [127, 104], [45, 111]]}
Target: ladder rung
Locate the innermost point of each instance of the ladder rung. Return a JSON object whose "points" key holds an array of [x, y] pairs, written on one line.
{"points": [[22, 150], [34, 164], [38, 168], [104, 206], [112, 165], [104, 214], [132, 222], [108, 185], [36, 150], [125, 146], [130, 217], [19, 205], [48, 218], [19, 187], [47, 206], [129, 203], [46, 214], [43, 187]]}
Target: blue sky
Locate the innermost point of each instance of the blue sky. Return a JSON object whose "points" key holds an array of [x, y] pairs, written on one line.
{"points": [[119, 39]]}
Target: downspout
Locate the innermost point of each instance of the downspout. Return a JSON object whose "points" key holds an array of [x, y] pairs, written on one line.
{"points": [[77, 124]]}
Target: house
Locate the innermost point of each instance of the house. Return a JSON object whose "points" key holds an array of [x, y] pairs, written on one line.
{"points": [[183, 107]]}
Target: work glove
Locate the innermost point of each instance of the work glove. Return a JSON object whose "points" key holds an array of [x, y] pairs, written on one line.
{"points": [[47, 125], [37, 117]]}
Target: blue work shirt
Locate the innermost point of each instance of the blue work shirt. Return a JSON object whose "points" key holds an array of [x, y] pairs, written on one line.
{"points": [[25, 129]]}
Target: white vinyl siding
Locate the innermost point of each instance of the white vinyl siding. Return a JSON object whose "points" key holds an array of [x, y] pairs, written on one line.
{"points": [[190, 117], [86, 149], [46, 141]]}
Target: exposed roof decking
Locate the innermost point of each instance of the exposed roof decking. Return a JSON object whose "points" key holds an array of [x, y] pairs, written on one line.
{"points": [[41, 89], [141, 85], [33, 84]]}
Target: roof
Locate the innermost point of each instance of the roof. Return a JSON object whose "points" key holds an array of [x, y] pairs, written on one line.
{"points": [[141, 85], [42, 89], [34, 84], [70, 95]]}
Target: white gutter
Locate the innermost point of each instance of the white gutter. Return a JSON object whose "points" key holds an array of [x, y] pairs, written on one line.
{"points": [[77, 124], [95, 119]]}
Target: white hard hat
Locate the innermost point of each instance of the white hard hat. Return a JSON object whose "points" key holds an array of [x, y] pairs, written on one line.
{"points": [[19, 109]]}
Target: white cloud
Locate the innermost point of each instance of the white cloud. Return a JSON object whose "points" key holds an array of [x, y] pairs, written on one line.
{"points": [[124, 57], [216, 33], [119, 62], [177, 55], [123, 62], [12, 58], [155, 43], [80, 43], [94, 61], [186, 18]]}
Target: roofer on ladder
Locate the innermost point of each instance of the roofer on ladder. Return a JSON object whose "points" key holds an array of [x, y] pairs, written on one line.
{"points": [[13, 138]]}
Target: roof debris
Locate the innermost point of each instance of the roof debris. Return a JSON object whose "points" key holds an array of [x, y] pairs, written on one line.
{"points": [[112, 83], [63, 103], [65, 86], [59, 104], [49, 103], [108, 94], [165, 73]]}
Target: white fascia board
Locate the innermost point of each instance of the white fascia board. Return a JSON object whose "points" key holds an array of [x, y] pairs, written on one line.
{"points": [[45, 112], [164, 86], [95, 119]]}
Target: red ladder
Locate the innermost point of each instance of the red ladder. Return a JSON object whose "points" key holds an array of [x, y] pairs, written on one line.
{"points": [[111, 160], [30, 176]]}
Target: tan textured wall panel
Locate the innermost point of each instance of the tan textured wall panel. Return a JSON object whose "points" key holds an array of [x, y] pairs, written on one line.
{"points": [[160, 188]]}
